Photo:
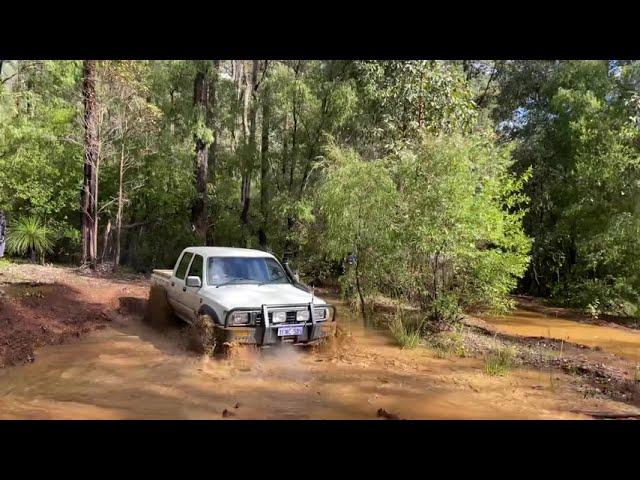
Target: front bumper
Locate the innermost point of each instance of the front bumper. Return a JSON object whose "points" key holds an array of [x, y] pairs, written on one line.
{"points": [[266, 333]]}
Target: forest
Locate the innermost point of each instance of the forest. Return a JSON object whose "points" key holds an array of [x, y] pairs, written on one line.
{"points": [[447, 184]]}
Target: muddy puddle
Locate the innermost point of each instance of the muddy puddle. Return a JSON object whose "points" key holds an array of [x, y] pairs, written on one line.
{"points": [[130, 371], [621, 341]]}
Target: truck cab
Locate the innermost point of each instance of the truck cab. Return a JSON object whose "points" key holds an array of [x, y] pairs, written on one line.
{"points": [[244, 296]]}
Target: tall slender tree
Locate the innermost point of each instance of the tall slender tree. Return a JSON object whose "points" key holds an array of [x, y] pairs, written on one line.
{"points": [[91, 154], [213, 124], [250, 116], [199, 213], [264, 160]]}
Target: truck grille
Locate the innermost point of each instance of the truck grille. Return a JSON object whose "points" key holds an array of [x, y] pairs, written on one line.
{"points": [[291, 318]]}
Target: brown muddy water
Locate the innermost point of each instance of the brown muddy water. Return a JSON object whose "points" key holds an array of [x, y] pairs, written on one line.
{"points": [[621, 341], [131, 371]]}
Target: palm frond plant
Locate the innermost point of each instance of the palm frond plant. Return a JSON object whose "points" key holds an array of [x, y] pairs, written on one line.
{"points": [[28, 235]]}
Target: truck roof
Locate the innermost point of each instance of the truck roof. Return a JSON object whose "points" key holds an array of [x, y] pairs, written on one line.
{"points": [[227, 252]]}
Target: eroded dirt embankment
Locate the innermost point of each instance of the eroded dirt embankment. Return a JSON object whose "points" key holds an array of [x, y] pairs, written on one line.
{"points": [[46, 306], [128, 369]]}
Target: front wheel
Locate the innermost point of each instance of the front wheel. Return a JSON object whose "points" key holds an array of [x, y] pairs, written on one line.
{"points": [[209, 339], [205, 335]]}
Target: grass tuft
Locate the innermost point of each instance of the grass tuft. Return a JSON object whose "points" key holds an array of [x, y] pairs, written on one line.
{"points": [[446, 344], [408, 334], [499, 361]]}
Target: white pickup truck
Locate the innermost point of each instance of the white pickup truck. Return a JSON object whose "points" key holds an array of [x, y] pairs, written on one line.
{"points": [[238, 295]]}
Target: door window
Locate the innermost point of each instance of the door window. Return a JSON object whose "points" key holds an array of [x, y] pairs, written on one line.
{"points": [[196, 267], [184, 263]]}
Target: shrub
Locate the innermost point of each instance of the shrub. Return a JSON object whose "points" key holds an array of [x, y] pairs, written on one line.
{"points": [[459, 225], [356, 206], [597, 297], [438, 224]]}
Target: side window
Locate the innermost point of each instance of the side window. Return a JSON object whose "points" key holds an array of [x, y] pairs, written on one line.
{"points": [[196, 267], [184, 263]]}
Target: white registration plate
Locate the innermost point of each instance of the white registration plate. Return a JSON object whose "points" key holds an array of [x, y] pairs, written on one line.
{"points": [[286, 331]]}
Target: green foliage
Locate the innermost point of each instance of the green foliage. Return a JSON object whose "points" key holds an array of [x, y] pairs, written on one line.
{"points": [[580, 138], [28, 235], [438, 223], [356, 204], [461, 236], [421, 169], [40, 157], [400, 100]]}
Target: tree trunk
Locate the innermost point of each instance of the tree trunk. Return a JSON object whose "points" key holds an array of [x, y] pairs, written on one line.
{"points": [[250, 115], [199, 214], [239, 80], [116, 260], [421, 100], [212, 122], [360, 294], [293, 144], [105, 240], [285, 154], [264, 166], [3, 224], [96, 173], [292, 162], [91, 153]]}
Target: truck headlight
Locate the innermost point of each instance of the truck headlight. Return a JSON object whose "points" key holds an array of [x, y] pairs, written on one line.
{"points": [[279, 317], [302, 315], [239, 318], [320, 313]]}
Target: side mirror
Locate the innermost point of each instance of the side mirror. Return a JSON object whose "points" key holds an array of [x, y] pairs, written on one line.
{"points": [[193, 281], [296, 276]]}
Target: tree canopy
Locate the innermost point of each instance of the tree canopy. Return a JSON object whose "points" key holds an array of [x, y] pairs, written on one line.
{"points": [[451, 183]]}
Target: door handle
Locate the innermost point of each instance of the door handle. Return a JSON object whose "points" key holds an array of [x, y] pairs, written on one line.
{"points": [[184, 289]]}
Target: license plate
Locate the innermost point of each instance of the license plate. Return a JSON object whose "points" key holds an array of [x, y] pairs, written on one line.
{"points": [[286, 331]]}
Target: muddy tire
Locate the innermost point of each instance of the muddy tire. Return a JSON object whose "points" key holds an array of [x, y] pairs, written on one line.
{"points": [[206, 335]]}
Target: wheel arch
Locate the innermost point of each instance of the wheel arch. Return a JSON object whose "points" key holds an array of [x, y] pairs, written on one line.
{"points": [[208, 310]]}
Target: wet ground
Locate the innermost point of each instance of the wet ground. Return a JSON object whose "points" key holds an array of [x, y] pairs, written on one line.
{"points": [[130, 370], [533, 320]]}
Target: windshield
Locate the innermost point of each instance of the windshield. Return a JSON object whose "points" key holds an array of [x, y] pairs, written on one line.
{"points": [[244, 270]]}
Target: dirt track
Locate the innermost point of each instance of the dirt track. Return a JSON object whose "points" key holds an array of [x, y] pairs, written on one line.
{"points": [[126, 369]]}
